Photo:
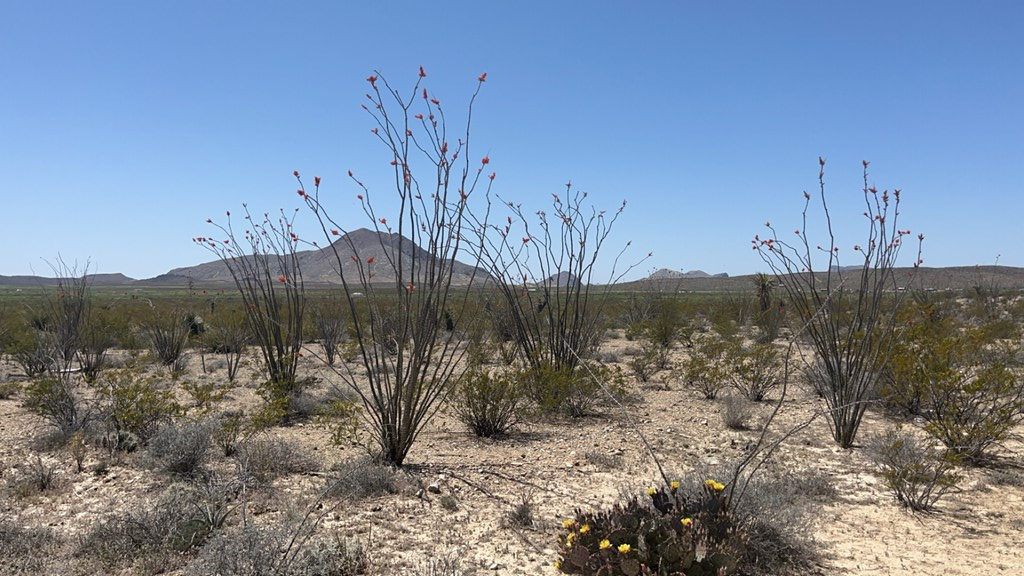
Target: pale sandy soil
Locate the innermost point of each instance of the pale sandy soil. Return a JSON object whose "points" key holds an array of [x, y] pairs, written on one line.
{"points": [[861, 530]]}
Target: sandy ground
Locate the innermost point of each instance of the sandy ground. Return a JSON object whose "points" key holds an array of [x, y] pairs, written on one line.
{"points": [[560, 466]]}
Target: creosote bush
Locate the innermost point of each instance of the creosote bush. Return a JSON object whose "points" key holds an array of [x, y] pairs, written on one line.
{"points": [[917, 474], [707, 369], [55, 400], [134, 405], [754, 371], [489, 403], [960, 382]]}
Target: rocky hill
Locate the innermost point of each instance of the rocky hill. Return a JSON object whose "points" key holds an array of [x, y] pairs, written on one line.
{"points": [[378, 251]]}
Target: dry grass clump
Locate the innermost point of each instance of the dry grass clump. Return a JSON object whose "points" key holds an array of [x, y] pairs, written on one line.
{"points": [[25, 550]]}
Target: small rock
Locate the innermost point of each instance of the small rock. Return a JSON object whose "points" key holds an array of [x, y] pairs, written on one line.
{"points": [[493, 566], [434, 488]]}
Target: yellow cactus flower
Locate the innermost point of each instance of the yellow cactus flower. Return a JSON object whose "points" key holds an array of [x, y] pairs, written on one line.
{"points": [[605, 544], [585, 528], [714, 485], [624, 548], [652, 491], [568, 523], [674, 485], [687, 522]]}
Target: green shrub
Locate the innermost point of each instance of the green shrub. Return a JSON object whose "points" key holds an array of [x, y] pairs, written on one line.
{"points": [[961, 383], [572, 393], [339, 414], [707, 369], [917, 474], [754, 371], [55, 401], [670, 533], [135, 404], [490, 404], [206, 396], [648, 360]]}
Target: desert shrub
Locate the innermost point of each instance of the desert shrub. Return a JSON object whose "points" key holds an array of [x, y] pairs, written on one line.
{"points": [[279, 551], [229, 336], [180, 519], [754, 371], [521, 515], [34, 477], [95, 341], [134, 405], [331, 329], [667, 533], [9, 389], [444, 563], [331, 557], [490, 404], [363, 478], [206, 396], [574, 394], [32, 352], [776, 515], [961, 383], [917, 474], [55, 401], [23, 549], [603, 461], [649, 359], [736, 412], [264, 263], [849, 313], [127, 537], [259, 461], [707, 369], [180, 449], [339, 413], [167, 333], [231, 427]]}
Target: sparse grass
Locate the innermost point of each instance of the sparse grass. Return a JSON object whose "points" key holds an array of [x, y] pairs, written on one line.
{"points": [[260, 460], [180, 449], [34, 477], [25, 550], [736, 412], [522, 513], [364, 478]]}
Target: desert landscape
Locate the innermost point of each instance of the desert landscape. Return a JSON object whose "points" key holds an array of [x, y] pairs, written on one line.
{"points": [[209, 483]]}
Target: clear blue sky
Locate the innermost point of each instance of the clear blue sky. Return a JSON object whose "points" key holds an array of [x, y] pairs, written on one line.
{"points": [[124, 125]]}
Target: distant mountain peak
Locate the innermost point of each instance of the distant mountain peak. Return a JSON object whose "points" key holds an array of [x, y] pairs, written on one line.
{"points": [[669, 274]]}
